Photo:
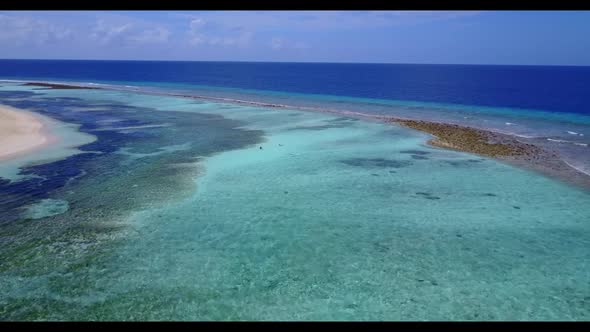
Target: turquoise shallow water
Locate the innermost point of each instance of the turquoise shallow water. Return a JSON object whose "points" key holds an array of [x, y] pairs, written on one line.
{"points": [[213, 211]]}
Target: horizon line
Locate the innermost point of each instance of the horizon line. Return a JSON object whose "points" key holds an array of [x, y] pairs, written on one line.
{"points": [[303, 62]]}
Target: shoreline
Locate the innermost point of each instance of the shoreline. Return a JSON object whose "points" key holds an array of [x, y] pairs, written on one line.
{"points": [[500, 146], [22, 133]]}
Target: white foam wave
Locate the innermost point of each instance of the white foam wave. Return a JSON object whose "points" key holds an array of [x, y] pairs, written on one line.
{"points": [[509, 133], [522, 136], [12, 81], [558, 140], [577, 168], [565, 141]]}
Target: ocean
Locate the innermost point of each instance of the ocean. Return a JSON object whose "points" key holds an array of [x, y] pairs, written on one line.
{"points": [[546, 104], [548, 88], [160, 207]]}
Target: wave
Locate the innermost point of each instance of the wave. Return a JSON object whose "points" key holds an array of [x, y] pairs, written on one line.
{"points": [[521, 135], [577, 168], [574, 133], [509, 133], [558, 140], [566, 141]]}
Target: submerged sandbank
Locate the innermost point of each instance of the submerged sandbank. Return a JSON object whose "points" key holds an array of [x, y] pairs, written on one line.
{"points": [[499, 146], [28, 138], [21, 132]]}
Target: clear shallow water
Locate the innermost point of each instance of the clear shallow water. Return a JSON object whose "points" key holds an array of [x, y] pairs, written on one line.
{"points": [[175, 213]]}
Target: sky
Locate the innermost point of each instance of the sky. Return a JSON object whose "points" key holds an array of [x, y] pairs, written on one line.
{"points": [[445, 37]]}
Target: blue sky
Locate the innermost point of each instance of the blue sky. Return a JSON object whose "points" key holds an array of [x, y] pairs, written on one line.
{"points": [[466, 37]]}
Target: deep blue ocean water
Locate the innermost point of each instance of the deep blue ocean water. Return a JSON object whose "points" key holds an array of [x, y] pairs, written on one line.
{"points": [[548, 88]]}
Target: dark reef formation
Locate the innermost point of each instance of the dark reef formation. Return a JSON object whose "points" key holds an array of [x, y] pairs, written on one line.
{"points": [[503, 147], [59, 86]]}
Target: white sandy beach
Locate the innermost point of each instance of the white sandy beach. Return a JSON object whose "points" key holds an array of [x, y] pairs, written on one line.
{"points": [[21, 132]]}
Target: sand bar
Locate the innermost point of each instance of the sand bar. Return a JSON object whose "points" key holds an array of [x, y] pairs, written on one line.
{"points": [[21, 132], [503, 147]]}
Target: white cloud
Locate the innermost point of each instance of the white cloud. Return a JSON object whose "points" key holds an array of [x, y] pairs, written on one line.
{"points": [[21, 30], [278, 43], [105, 33], [195, 36], [156, 35], [329, 20], [412, 17], [211, 32], [202, 32], [196, 23], [128, 32]]}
